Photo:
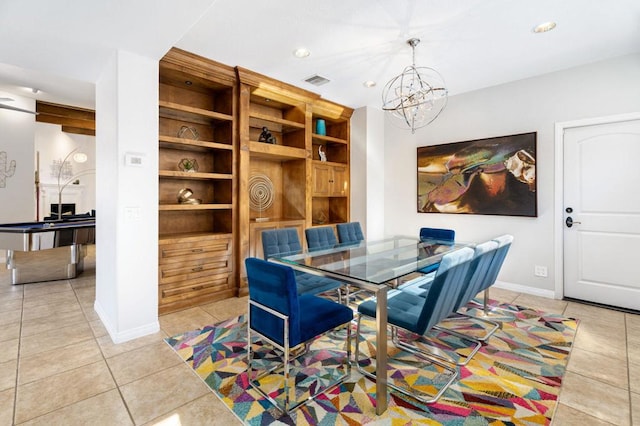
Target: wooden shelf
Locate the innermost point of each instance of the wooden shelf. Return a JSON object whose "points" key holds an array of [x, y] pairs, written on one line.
{"points": [[328, 139], [276, 152], [287, 125], [197, 261], [192, 175], [277, 220], [328, 163], [187, 207], [186, 113], [173, 142], [195, 235]]}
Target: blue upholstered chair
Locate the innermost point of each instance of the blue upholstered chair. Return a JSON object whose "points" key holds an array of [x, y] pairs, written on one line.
{"points": [[320, 237], [418, 314], [478, 272], [324, 237], [476, 279], [439, 234], [504, 244], [280, 242], [282, 319], [285, 241], [349, 232], [478, 275]]}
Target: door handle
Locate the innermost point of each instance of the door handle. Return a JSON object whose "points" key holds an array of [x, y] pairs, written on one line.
{"points": [[570, 222]]}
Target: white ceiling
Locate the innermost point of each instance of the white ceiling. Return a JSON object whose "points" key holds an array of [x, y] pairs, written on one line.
{"points": [[61, 46]]}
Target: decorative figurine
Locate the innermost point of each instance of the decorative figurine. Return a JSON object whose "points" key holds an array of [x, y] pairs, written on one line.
{"points": [[188, 165], [266, 136], [187, 132], [322, 154]]}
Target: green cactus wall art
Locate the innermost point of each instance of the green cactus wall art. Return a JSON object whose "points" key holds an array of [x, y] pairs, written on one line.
{"points": [[4, 171]]}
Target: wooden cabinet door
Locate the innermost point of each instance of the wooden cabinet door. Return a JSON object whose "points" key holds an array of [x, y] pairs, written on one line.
{"points": [[338, 182], [321, 180], [330, 181]]}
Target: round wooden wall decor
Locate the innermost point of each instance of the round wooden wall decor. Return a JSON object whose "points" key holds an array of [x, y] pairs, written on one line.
{"points": [[261, 193]]}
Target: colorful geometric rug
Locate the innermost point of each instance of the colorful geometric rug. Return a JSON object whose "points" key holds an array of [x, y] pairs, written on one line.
{"points": [[514, 379]]}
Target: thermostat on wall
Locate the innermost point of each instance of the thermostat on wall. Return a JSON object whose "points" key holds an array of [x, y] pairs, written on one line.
{"points": [[134, 159]]}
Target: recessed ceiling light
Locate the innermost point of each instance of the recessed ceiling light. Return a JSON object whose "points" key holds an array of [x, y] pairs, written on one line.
{"points": [[32, 90], [301, 52], [543, 28], [369, 83]]}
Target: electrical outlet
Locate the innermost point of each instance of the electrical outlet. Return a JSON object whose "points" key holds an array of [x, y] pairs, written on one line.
{"points": [[540, 271]]}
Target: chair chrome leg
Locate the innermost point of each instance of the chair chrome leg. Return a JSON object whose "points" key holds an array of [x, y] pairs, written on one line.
{"points": [[290, 403], [486, 309], [407, 391], [494, 327], [485, 302], [433, 351]]}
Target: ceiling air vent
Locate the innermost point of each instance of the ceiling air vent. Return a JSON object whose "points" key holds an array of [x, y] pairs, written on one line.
{"points": [[317, 80]]}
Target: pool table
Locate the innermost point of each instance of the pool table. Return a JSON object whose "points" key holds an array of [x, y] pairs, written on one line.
{"points": [[46, 251]]}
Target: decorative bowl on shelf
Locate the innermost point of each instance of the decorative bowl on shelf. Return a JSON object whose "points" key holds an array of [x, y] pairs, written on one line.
{"points": [[193, 201], [187, 132], [184, 197]]}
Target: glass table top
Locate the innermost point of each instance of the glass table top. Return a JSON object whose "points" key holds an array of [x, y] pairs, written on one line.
{"points": [[375, 262]]}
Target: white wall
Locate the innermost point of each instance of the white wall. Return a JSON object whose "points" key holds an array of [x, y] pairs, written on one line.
{"points": [[127, 197], [531, 105], [53, 144], [358, 167], [367, 171], [17, 129]]}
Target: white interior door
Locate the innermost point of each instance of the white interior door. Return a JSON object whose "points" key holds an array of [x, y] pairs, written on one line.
{"points": [[602, 198]]}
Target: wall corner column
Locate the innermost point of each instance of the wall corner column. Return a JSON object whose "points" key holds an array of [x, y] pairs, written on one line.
{"points": [[367, 171], [127, 196]]}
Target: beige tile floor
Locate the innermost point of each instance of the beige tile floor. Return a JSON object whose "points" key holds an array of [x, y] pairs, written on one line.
{"points": [[58, 366]]}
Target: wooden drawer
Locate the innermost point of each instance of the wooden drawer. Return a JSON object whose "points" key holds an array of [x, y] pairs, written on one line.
{"points": [[193, 250], [201, 289], [194, 269]]}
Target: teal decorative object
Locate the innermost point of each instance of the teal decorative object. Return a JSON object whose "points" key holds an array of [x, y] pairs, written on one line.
{"points": [[321, 127]]}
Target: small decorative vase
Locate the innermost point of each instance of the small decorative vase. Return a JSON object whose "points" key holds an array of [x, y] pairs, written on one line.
{"points": [[321, 127]]}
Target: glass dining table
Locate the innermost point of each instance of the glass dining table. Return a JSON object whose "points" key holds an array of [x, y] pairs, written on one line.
{"points": [[374, 266]]}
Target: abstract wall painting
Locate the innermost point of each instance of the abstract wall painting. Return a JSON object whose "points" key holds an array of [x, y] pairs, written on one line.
{"points": [[492, 176]]}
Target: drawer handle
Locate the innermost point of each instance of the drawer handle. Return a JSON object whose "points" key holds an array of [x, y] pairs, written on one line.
{"points": [[197, 269], [200, 287], [197, 250]]}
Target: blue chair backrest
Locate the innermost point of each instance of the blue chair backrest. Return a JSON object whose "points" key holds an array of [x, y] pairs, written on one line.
{"points": [[504, 243], [478, 270], [448, 283], [273, 285], [321, 237], [350, 232], [437, 234], [280, 242]]}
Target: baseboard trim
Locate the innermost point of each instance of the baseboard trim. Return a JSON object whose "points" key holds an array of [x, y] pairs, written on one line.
{"points": [[126, 335], [549, 294]]}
